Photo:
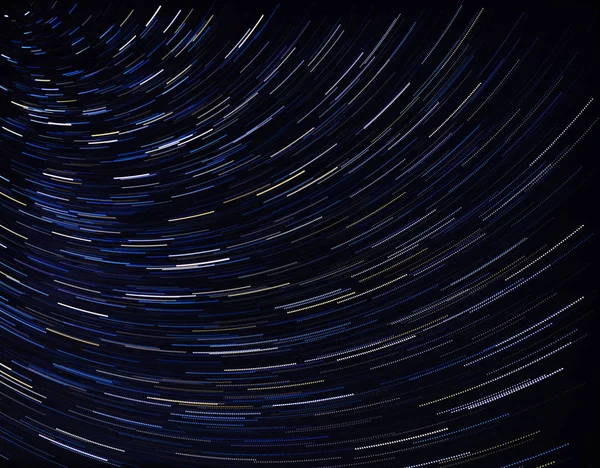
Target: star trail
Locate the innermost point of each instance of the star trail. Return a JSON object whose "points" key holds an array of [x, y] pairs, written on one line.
{"points": [[275, 234]]}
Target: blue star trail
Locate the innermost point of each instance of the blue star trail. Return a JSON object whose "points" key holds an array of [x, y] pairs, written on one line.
{"points": [[276, 234]]}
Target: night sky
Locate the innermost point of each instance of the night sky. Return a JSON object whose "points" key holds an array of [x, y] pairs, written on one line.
{"points": [[322, 235]]}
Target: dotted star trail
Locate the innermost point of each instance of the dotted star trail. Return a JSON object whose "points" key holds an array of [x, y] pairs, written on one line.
{"points": [[268, 235]]}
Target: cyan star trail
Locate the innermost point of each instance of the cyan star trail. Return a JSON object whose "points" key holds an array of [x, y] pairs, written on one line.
{"points": [[273, 234]]}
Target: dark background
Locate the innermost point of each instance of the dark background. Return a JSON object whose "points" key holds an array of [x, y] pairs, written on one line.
{"points": [[573, 417]]}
